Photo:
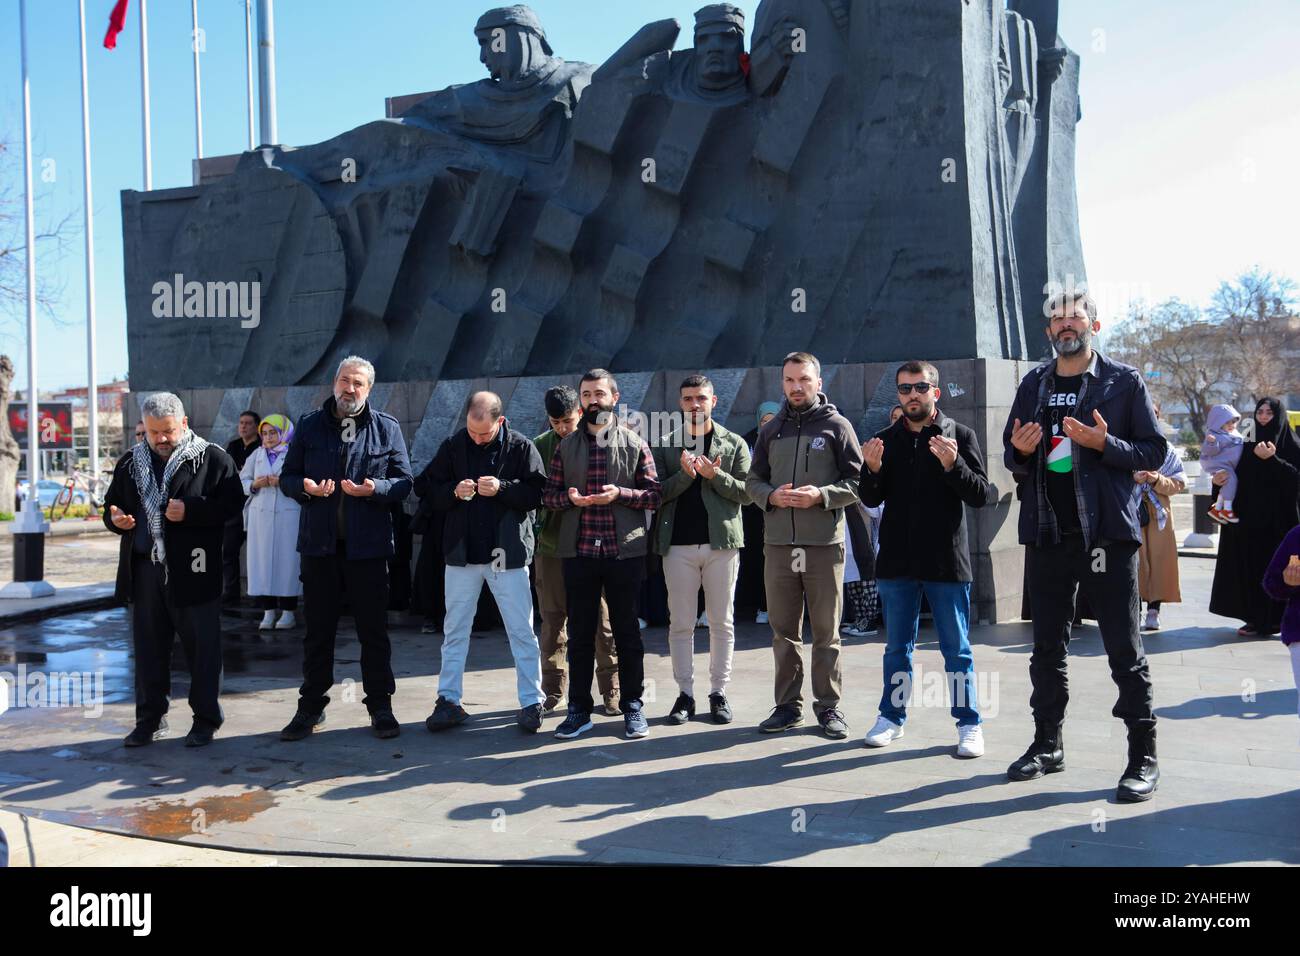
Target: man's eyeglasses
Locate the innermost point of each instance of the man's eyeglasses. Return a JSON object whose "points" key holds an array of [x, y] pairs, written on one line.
{"points": [[921, 388]]}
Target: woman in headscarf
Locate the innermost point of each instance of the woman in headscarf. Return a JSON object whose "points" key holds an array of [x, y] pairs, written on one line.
{"points": [[1158, 555], [271, 520], [1268, 484], [751, 595]]}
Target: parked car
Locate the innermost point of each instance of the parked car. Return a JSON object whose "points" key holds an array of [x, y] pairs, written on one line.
{"points": [[48, 490]]}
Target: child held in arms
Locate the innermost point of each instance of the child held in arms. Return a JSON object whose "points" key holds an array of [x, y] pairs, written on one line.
{"points": [[1221, 452]]}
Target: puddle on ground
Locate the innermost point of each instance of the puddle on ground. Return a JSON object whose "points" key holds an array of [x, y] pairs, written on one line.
{"points": [[174, 819], [99, 643]]}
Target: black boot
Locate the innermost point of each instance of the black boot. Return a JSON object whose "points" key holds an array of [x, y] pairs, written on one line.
{"points": [[1142, 775], [1045, 755]]}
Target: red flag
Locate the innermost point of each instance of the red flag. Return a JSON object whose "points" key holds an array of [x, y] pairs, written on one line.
{"points": [[116, 21]]}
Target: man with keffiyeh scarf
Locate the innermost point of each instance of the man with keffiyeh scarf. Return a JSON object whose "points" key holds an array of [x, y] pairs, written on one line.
{"points": [[169, 499]]}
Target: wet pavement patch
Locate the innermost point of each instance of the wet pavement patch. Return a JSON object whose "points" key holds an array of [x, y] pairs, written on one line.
{"points": [[172, 819]]}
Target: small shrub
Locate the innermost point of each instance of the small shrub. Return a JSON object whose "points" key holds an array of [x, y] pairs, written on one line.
{"points": [[74, 511]]}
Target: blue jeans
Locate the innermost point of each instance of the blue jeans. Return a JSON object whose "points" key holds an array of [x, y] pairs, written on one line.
{"points": [[515, 602], [900, 600]]}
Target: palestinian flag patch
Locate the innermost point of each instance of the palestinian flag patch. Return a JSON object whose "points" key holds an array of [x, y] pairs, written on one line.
{"points": [[1059, 459]]}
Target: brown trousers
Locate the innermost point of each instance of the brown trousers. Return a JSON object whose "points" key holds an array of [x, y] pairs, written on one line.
{"points": [[791, 574], [548, 577]]}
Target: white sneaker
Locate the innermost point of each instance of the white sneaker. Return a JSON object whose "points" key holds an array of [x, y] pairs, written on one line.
{"points": [[760, 617], [883, 733], [287, 620], [702, 620], [970, 741], [1152, 622], [268, 621]]}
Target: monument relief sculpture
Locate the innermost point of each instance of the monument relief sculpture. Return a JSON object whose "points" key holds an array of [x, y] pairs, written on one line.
{"points": [[858, 165]]}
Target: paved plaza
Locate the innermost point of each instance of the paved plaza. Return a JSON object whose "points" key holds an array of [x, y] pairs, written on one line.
{"points": [[1229, 754]]}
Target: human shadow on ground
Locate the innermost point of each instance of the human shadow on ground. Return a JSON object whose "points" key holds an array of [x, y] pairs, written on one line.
{"points": [[1085, 846], [1270, 703]]}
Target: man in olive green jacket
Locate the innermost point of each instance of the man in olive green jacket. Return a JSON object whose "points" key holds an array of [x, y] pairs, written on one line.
{"points": [[805, 471], [564, 412], [698, 532]]}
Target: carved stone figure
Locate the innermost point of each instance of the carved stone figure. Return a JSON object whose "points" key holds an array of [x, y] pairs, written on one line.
{"points": [[714, 70], [863, 165], [528, 99]]}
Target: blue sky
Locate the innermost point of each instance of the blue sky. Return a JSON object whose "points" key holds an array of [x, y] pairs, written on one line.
{"points": [[1188, 151]]}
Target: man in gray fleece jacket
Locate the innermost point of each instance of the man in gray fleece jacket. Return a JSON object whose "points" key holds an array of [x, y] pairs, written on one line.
{"points": [[805, 471]]}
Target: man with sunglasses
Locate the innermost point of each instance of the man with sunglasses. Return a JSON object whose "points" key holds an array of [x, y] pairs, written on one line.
{"points": [[927, 468]]}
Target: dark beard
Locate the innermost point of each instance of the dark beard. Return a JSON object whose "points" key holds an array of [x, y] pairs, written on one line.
{"points": [[1080, 343], [595, 415], [922, 415]]}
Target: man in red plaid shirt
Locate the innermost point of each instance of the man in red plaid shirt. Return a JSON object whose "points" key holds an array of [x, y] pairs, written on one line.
{"points": [[601, 483]]}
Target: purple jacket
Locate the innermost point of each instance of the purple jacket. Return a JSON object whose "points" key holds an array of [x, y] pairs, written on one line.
{"points": [[1276, 588]]}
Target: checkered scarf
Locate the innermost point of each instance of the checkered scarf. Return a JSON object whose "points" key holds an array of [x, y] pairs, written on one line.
{"points": [[153, 496], [1172, 468]]}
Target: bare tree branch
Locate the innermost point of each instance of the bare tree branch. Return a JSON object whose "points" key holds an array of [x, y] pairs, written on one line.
{"points": [[1244, 345], [54, 235]]}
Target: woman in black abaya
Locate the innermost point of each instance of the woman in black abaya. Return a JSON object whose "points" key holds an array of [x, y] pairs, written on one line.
{"points": [[1268, 487]]}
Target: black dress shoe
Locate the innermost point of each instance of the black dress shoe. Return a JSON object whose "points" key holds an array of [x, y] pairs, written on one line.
{"points": [[1142, 775], [384, 725], [145, 734], [200, 735], [1045, 755], [302, 725]]}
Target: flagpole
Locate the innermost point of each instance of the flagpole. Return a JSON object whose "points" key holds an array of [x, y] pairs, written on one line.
{"points": [[29, 529], [144, 93], [248, 43], [33, 422], [266, 71], [92, 394], [198, 95]]}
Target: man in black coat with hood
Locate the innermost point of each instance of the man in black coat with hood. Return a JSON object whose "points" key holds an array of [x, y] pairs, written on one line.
{"points": [[170, 498]]}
